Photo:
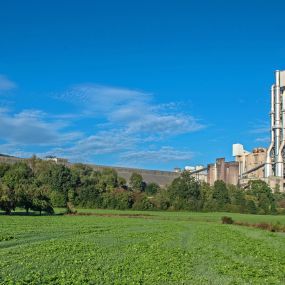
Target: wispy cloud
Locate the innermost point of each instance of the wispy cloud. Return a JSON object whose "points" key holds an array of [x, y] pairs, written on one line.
{"points": [[6, 84], [103, 99], [165, 125], [122, 122], [129, 119], [163, 154], [103, 142], [263, 139], [132, 110], [260, 130], [31, 127], [260, 127]]}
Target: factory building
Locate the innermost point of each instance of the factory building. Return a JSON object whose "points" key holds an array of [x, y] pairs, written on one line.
{"points": [[222, 170], [275, 156], [267, 164], [261, 163], [251, 164]]}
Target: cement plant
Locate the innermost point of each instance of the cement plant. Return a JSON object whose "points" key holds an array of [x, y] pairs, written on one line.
{"points": [[260, 163]]}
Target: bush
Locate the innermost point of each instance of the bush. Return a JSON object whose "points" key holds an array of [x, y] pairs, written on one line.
{"points": [[141, 202], [227, 220]]}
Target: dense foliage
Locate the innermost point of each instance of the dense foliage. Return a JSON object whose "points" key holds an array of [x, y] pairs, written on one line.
{"points": [[41, 185]]}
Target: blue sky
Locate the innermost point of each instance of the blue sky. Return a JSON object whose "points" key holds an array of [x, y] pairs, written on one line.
{"points": [[153, 84]]}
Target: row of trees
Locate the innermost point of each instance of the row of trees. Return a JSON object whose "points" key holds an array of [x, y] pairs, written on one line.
{"points": [[186, 193], [42, 185]]}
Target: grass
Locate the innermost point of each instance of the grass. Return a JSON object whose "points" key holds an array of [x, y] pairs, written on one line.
{"points": [[156, 248]]}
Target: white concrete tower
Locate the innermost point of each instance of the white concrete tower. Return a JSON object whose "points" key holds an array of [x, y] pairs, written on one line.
{"points": [[275, 158]]}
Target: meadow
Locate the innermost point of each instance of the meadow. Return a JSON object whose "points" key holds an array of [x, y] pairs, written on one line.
{"points": [[140, 247]]}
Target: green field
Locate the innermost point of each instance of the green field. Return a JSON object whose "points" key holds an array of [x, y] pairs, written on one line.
{"points": [[155, 248]]}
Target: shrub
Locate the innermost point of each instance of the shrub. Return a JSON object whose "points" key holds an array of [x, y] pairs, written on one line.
{"points": [[227, 220]]}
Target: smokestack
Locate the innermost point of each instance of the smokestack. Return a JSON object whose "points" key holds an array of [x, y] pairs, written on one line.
{"points": [[275, 158]]}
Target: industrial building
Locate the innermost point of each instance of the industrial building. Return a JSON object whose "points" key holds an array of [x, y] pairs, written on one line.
{"points": [[268, 164], [261, 163], [222, 170]]}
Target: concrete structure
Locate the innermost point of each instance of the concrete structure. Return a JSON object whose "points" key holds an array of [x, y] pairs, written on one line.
{"points": [[162, 178], [251, 164], [267, 164], [199, 172], [225, 171], [275, 158]]}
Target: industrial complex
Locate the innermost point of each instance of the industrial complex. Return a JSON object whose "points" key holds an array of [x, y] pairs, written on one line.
{"points": [[260, 163]]}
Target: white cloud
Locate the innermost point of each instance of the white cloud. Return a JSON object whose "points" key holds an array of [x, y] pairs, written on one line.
{"points": [[98, 98], [129, 119], [263, 140], [132, 111], [261, 131], [30, 127], [163, 154], [165, 125], [6, 84], [124, 121], [103, 142], [260, 127]]}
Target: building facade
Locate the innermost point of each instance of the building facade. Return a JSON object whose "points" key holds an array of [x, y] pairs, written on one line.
{"points": [[222, 170]]}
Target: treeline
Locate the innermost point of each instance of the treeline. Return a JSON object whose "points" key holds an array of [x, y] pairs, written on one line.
{"points": [[40, 185]]}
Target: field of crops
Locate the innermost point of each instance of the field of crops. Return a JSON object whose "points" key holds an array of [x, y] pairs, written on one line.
{"points": [[115, 247]]}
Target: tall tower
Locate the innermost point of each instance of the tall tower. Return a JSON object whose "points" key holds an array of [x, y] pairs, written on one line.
{"points": [[275, 158]]}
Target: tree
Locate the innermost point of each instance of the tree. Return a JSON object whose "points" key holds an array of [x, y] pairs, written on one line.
{"points": [[185, 187], [24, 196], [152, 188], [185, 192], [117, 199], [4, 167], [263, 195], [136, 182], [162, 200], [208, 203], [141, 202], [108, 180], [17, 174], [251, 207], [237, 199], [221, 194], [7, 199], [122, 183], [55, 177], [41, 201]]}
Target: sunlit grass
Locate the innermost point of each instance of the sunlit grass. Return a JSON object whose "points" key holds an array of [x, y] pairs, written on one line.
{"points": [[156, 248]]}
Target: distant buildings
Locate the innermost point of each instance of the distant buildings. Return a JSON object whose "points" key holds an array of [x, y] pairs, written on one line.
{"points": [[56, 159]]}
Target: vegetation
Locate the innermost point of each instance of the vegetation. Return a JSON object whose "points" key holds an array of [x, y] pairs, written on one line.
{"points": [[227, 220], [138, 247], [42, 185]]}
